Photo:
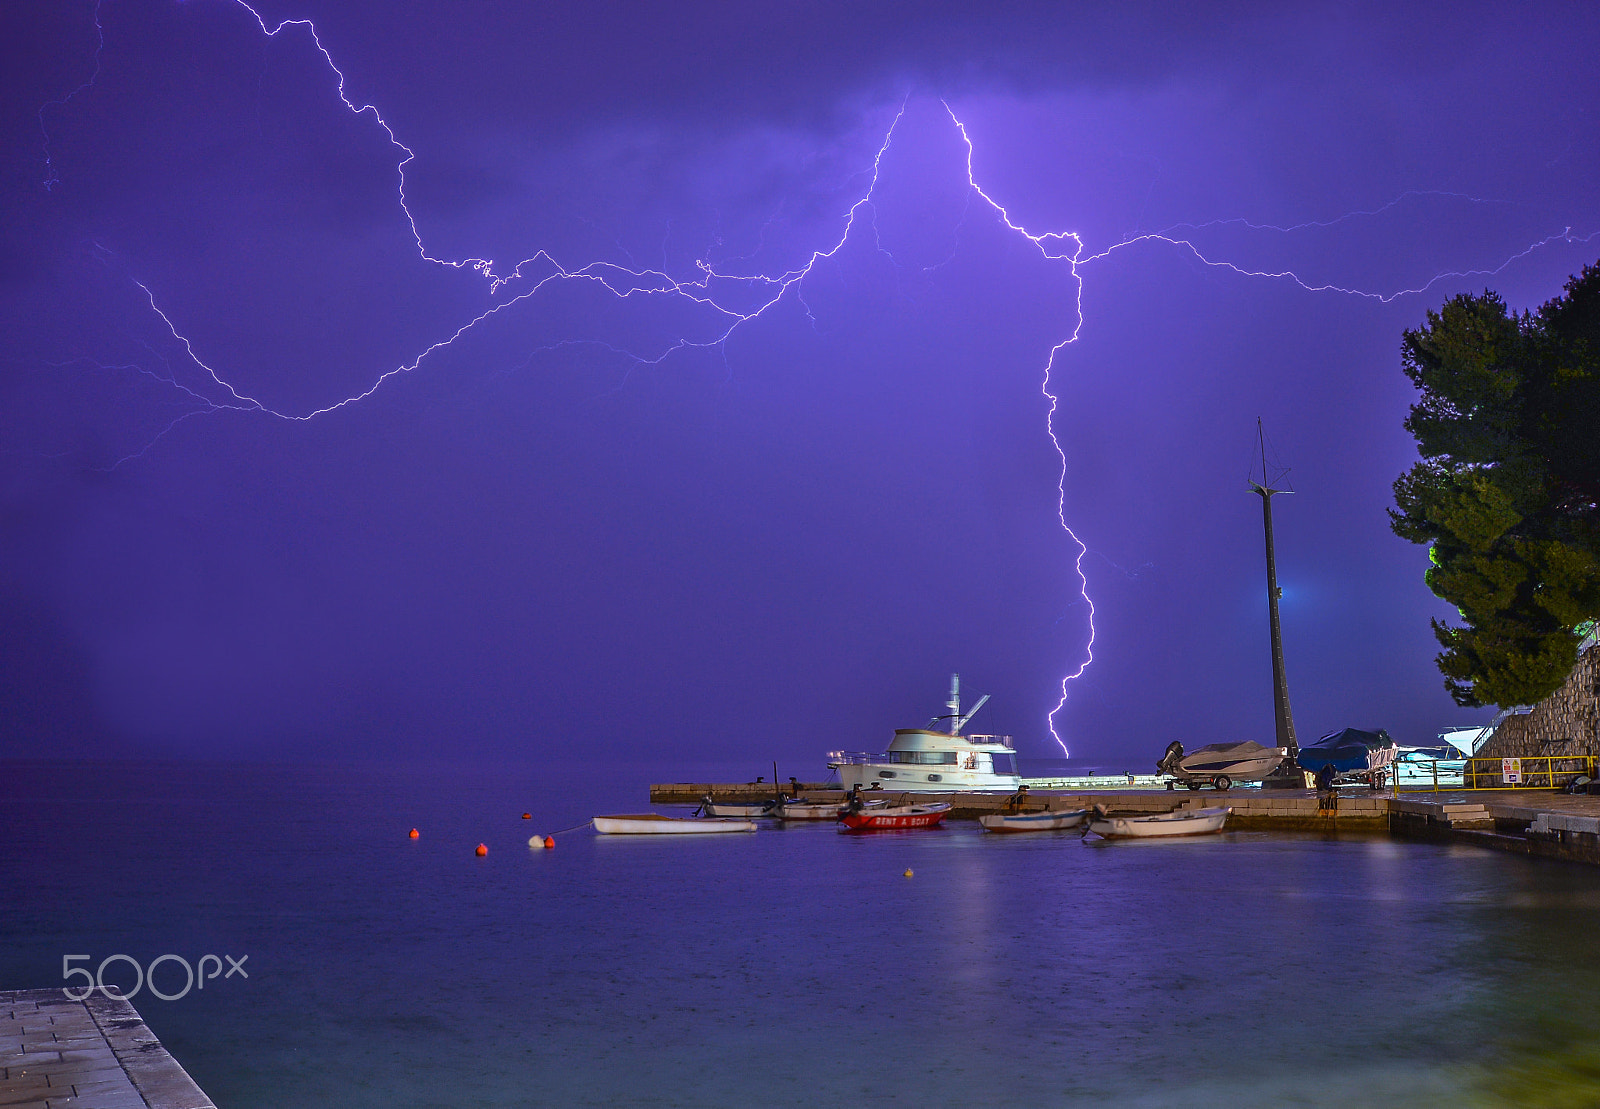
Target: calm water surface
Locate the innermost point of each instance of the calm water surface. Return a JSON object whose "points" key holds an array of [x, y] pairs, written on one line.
{"points": [[795, 966]]}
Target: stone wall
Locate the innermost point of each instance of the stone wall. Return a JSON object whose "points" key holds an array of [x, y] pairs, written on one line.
{"points": [[1565, 723]]}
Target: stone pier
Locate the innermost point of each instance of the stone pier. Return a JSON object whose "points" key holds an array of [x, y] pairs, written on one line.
{"points": [[97, 1053], [1532, 822]]}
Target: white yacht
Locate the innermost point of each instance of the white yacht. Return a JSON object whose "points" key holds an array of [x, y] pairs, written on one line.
{"points": [[928, 760]]}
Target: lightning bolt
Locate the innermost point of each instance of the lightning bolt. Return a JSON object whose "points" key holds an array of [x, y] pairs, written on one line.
{"points": [[527, 278]]}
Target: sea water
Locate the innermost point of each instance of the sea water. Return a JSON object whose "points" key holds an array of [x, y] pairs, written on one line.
{"points": [[793, 966]]}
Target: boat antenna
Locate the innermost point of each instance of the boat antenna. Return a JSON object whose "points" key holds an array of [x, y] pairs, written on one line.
{"points": [[962, 723], [1280, 681]]}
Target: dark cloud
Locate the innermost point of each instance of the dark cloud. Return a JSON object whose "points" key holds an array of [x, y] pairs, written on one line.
{"points": [[555, 533]]}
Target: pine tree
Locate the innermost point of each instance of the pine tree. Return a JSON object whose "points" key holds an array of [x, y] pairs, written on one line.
{"points": [[1507, 494]]}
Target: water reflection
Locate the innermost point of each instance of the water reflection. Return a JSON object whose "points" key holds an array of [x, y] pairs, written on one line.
{"points": [[798, 967]]}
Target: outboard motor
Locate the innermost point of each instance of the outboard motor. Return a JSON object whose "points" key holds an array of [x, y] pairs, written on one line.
{"points": [[1169, 760]]}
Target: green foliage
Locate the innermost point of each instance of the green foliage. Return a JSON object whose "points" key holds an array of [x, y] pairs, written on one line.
{"points": [[1507, 494]]}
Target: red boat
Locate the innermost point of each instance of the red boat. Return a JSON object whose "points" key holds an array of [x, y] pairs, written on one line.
{"points": [[894, 816]]}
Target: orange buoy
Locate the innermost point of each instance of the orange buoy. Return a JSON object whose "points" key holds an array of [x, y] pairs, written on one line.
{"points": [[549, 842], [481, 851], [527, 816], [415, 833]]}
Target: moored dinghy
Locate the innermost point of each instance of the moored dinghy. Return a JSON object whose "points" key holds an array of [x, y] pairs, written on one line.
{"points": [[1033, 821], [1184, 822], [654, 824], [819, 810], [888, 817], [708, 807]]}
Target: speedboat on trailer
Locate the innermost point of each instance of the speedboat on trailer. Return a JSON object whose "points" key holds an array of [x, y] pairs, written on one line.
{"points": [[930, 760], [1219, 765]]}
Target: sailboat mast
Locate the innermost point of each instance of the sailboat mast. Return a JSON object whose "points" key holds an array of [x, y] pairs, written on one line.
{"points": [[954, 703], [1280, 680]]}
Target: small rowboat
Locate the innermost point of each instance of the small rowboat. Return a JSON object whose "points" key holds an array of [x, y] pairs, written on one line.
{"points": [[654, 824], [708, 807], [1184, 822], [1032, 821], [894, 816], [809, 810], [819, 810]]}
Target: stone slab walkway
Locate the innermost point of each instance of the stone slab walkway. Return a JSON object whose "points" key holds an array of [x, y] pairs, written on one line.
{"points": [[91, 1054]]}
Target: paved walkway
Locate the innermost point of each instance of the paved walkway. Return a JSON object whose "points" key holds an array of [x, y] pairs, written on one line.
{"points": [[1513, 803], [91, 1054]]}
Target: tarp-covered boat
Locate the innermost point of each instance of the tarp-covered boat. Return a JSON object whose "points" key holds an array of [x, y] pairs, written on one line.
{"points": [[1355, 755]]}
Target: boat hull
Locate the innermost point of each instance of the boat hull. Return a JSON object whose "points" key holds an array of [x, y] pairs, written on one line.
{"points": [[1033, 822], [810, 810], [651, 824], [894, 817], [733, 809], [898, 778], [821, 810], [1194, 822]]}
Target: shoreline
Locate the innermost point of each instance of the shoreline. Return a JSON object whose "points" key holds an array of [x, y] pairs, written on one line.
{"points": [[1542, 823]]}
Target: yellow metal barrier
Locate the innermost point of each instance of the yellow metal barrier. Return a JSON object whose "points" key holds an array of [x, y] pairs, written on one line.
{"points": [[1535, 772], [1529, 772]]}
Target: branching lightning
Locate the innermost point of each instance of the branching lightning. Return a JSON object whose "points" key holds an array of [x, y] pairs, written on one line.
{"points": [[529, 277]]}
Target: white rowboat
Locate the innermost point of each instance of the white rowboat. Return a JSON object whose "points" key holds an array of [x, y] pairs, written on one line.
{"points": [[1033, 821], [708, 807], [821, 810], [654, 824], [1184, 822]]}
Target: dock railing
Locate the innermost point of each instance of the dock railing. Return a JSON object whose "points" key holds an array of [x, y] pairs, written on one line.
{"points": [[1428, 775], [1529, 772]]}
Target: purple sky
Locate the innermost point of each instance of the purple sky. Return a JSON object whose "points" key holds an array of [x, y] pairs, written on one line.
{"points": [[585, 527]]}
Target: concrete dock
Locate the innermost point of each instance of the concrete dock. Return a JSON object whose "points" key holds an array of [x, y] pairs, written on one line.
{"points": [[1532, 822], [91, 1054]]}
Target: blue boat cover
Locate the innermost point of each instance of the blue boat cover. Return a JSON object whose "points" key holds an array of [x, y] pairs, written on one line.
{"points": [[1348, 751]]}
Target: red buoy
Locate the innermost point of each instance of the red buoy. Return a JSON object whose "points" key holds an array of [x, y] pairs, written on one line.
{"points": [[527, 816], [415, 833], [481, 851], [549, 842]]}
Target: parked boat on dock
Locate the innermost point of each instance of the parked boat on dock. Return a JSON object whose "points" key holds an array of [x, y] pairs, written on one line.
{"points": [[1220, 765], [1184, 822], [928, 760], [654, 824], [1355, 755], [1033, 821]]}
